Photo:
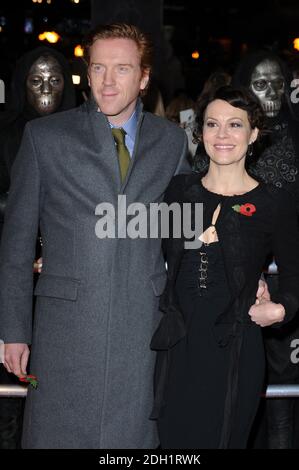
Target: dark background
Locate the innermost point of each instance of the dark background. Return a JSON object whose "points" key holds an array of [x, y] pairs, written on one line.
{"points": [[220, 33]]}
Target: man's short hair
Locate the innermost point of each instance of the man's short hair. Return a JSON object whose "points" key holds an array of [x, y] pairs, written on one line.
{"points": [[124, 31]]}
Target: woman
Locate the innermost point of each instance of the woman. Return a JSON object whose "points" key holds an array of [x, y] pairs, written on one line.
{"points": [[210, 363]]}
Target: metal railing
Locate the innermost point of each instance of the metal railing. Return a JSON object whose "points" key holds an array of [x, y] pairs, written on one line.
{"points": [[13, 391], [272, 391]]}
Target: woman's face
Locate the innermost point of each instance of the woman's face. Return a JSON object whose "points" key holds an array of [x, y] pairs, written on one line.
{"points": [[226, 133]]}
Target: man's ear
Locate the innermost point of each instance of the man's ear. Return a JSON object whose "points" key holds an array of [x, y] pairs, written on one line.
{"points": [[145, 79]]}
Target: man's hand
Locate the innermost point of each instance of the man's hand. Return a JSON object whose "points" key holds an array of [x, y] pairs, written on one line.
{"points": [[262, 292], [265, 313], [16, 357]]}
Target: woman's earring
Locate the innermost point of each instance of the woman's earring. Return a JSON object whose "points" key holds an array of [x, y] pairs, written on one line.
{"points": [[250, 150]]}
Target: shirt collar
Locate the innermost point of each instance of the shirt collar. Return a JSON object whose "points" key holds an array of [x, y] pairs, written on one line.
{"points": [[130, 126]]}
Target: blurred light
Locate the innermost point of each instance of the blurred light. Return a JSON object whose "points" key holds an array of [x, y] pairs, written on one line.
{"points": [[39, 1], [34, 1], [78, 51], [296, 44], [75, 1], [76, 79], [244, 48], [28, 26], [225, 43], [49, 36], [49, 1], [195, 55], [1, 29]]}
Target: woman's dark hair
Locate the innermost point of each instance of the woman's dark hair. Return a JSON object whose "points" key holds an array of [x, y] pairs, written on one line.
{"points": [[241, 98]]}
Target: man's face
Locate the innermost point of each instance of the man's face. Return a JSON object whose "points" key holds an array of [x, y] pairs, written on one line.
{"points": [[115, 77], [267, 83], [45, 85]]}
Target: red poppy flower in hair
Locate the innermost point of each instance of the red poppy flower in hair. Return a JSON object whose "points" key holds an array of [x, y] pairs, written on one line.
{"points": [[245, 209]]}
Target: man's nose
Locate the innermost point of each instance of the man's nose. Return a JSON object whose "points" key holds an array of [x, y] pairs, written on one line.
{"points": [[108, 77]]}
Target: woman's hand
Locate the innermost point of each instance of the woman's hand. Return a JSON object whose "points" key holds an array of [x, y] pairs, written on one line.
{"points": [[262, 292], [265, 312]]}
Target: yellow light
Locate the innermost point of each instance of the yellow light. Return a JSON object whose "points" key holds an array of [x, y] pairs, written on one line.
{"points": [[76, 79], [195, 55], [39, 1], [296, 44], [49, 1], [78, 51], [34, 1], [1, 29], [49, 36]]}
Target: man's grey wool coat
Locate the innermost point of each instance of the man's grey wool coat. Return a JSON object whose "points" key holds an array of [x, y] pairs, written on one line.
{"points": [[96, 299]]}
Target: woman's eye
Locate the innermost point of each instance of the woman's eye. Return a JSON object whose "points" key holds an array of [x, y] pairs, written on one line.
{"points": [[236, 124], [210, 124]]}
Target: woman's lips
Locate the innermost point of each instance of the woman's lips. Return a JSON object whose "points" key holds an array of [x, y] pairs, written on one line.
{"points": [[224, 147]]}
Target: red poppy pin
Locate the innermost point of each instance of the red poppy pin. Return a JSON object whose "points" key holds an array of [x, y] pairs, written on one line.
{"points": [[30, 379], [246, 209]]}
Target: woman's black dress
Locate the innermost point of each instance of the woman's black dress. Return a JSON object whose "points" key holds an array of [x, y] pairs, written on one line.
{"points": [[198, 372]]}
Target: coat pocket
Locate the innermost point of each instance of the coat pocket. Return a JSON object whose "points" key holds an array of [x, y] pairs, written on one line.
{"points": [[59, 287], [158, 281]]}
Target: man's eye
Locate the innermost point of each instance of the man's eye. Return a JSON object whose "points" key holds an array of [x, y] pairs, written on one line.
{"points": [[97, 68], [123, 69], [260, 85]]}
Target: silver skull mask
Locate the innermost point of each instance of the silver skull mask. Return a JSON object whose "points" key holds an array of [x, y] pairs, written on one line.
{"points": [[267, 83], [45, 84]]}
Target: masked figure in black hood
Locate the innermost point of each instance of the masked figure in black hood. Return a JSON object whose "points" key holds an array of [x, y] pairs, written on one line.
{"points": [[41, 85], [278, 163]]}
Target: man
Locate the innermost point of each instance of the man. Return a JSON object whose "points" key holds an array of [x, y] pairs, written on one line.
{"points": [[97, 299]]}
